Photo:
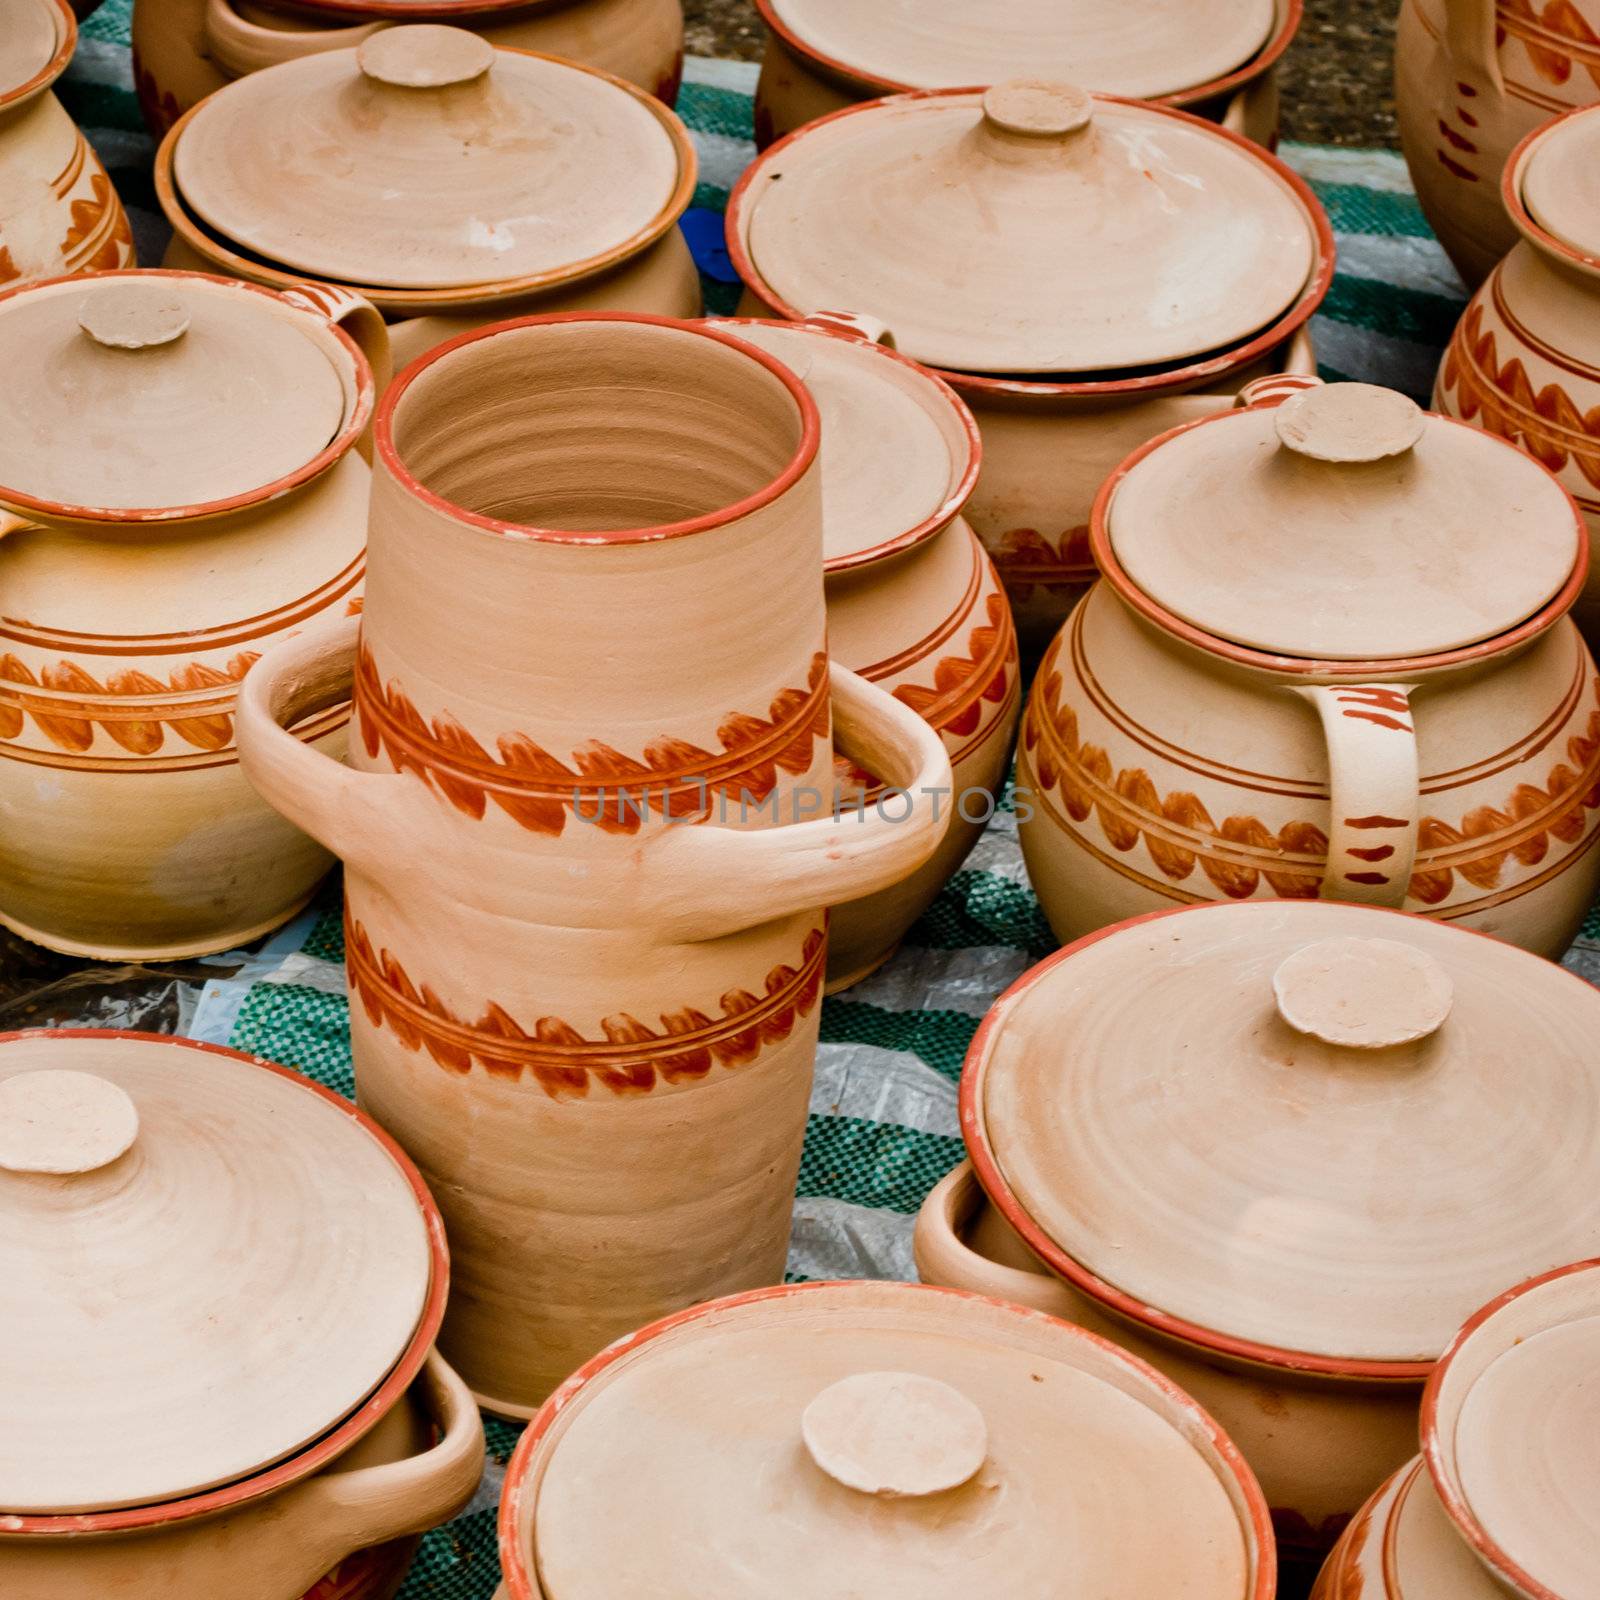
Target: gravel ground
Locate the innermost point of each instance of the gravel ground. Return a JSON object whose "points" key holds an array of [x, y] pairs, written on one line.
{"points": [[1337, 88]]}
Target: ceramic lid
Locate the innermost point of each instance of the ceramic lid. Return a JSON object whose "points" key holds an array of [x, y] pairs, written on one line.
{"points": [[204, 1265], [428, 159], [876, 408], [1561, 182], [157, 391], [1152, 48], [1304, 1126], [884, 1440], [1030, 228], [1345, 524], [31, 34]]}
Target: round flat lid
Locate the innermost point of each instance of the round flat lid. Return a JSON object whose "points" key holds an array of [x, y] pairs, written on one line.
{"points": [[157, 392], [204, 1266], [31, 32], [1561, 182], [1031, 228], [881, 1444], [427, 159], [1345, 524], [1527, 1449], [1319, 1128], [895, 446], [1157, 47]]}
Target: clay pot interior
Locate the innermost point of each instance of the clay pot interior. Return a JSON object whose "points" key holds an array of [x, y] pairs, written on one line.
{"points": [[597, 425]]}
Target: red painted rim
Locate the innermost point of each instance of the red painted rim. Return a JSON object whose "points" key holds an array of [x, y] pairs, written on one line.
{"points": [[1254, 67], [360, 413], [805, 453], [950, 506], [1128, 1307], [1455, 1505], [982, 384], [522, 1582], [54, 67], [229, 254], [353, 1427], [1516, 207], [1135, 598]]}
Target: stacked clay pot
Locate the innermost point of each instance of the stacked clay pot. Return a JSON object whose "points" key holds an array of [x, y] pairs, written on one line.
{"points": [[181, 484], [883, 1439], [451, 183], [942, 214], [221, 1286], [1218, 60], [1502, 1504], [914, 602], [1473, 78], [1278, 1150], [1331, 656], [184, 50], [58, 211], [585, 936], [1524, 361]]}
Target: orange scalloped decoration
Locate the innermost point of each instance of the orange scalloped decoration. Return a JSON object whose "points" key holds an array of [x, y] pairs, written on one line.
{"points": [[961, 684], [366, 1574], [70, 725], [1028, 560], [90, 217], [1511, 407], [1341, 1577], [632, 1058], [1560, 19], [1127, 803], [9, 270], [159, 106], [607, 789]]}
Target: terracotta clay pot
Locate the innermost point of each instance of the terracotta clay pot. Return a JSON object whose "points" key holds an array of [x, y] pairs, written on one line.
{"points": [[592, 674], [1286, 686], [914, 603], [1189, 1121], [1472, 79], [58, 211], [1502, 1502], [1524, 362], [264, 1423], [184, 50], [1217, 61], [221, 507], [432, 123], [887, 1439], [1065, 370]]}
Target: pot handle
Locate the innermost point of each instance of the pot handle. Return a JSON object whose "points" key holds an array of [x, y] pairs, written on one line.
{"points": [[350, 1511], [239, 48], [1374, 801], [1470, 32], [853, 322], [354, 814], [363, 321], [709, 880]]}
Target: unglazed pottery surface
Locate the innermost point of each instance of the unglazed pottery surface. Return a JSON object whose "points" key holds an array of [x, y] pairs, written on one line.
{"points": [[890, 1439], [1141, 50], [1166, 764], [427, 159], [1181, 242], [58, 211], [1524, 362], [221, 505], [1270, 1206], [587, 981], [1472, 79]]}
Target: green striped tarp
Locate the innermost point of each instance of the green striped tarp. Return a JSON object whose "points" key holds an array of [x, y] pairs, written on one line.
{"points": [[883, 1123]]}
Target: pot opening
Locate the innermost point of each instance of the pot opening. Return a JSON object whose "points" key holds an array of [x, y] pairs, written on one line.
{"points": [[600, 426]]}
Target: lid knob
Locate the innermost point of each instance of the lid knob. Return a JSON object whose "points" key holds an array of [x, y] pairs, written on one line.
{"points": [[424, 55], [133, 316], [1367, 994], [63, 1122], [1032, 108], [1349, 422], [895, 1434]]}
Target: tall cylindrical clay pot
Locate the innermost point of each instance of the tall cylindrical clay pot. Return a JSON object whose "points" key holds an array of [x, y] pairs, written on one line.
{"points": [[592, 679]]}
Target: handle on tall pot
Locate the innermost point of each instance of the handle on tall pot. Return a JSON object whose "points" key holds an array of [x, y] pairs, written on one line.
{"points": [[240, 48], [363, 321], [1470, 30]]}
